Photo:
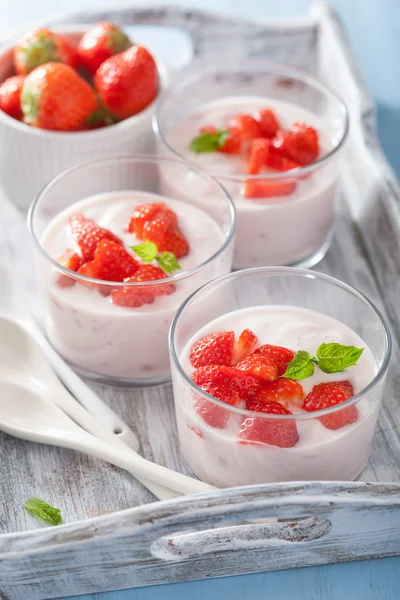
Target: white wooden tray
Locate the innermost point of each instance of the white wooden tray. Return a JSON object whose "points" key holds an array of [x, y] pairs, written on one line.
{"points": [[115, 536]]}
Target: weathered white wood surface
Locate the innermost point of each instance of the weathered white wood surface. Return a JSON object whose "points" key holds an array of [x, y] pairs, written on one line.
{"points": [[124, 549]]}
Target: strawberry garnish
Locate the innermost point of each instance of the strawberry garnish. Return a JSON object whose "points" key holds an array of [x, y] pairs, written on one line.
{"points": [[300, 144], [154, 230], [283, 391], [212, 414], [279, 162], [281, 356], [175, 242], [212, 139], [259, 366], [136, 296], [88, 234], [10, 96], [232, 143], [268, 431], [259, 151], [244, 346], [142, 214], [213, 349], [246, 126], [72, 261], [269, 124], [268, 189], [325, 395], [221, 377]]}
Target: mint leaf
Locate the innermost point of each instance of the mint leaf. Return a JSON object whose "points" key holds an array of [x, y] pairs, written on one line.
{"points": [[147, 251], [300, 367], [333, 357], [168, 262], [209, 142], [44, 511]]}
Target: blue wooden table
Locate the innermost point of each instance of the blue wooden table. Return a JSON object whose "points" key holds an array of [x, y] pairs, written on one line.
{"points": [[374, 27]]}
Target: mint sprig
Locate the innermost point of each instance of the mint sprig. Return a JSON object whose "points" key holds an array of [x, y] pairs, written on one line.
{"points": [[209, 142], [330, 358], [148, 252], [44, 511]]}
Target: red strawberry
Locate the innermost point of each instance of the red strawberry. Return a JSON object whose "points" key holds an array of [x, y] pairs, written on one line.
{"points": [[142, 214], [88, 234], [269, 124], [113, 262], [10, 96], [55, 97], [281, 356], [232, 143], [212, 414], [72, 261], [259, 366], [300, 144], [244, 346], [221, 377], [136, 296], [268, 189], [246, 126], [91, 269], [155, 230], [99, 43], [127, 82], [283, 391], [279, 162], [325, 395], [175, 242], [213, 349], [43, 46], [208, 129], [259, 151], [274, 432]]}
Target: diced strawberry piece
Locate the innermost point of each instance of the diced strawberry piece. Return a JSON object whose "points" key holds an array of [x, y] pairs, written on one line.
{"points": [[91, 269], [309, 134], [246, 126], [283, 391], [300, 144], [244, 346], [212, 414], [141, 214], [213, 349], [232, 143], [279, 162], [175, 242], [259, 366], [209, 129], [325, 395], [259, 151], [281, 356], [282, 433], [88, 234], [112, 262], [221, 377], [268, 122], [72, 261], [154, 230], [135, 296], [268, 189]]}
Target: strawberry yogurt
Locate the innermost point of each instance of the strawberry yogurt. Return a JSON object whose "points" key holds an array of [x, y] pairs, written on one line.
{"points": [[215, 456], [105, 340], [286, 230]]}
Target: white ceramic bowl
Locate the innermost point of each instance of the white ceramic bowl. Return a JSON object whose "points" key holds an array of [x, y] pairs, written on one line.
{"points": [[30, 157]]}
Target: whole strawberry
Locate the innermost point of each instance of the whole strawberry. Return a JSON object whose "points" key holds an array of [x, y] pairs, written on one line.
{"points": [[55, 97], [10, 96], [42, 46], [99, 43], [127, 82]]}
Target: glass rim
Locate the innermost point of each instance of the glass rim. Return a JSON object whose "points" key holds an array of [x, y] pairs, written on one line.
{"points": [[287, 271], [273, 68], [121, 284]]}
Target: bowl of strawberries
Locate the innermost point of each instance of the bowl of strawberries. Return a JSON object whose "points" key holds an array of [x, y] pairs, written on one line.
{"points": [[68, 95]]}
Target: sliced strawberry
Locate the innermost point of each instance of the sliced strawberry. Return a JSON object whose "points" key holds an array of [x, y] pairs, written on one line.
{"points": [[281, 356], [246, 126], [279, 162], [213, 349], [112, 262], [232, 143], [136, 296], [221, 377], [283, 391], [175, 242], [268, 121], [213, 415], [154, 230], [141, 214], [244, 346], [259, 151], [300, 144], [72, 261], [88, 234], [268, 431], [309, 134], [259, 366], [325, 395], [268, 189], [91, 269]]}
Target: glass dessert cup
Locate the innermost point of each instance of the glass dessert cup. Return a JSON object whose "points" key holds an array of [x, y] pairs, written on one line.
{"points": [[214, 452], [114, 344], [293, 229]]}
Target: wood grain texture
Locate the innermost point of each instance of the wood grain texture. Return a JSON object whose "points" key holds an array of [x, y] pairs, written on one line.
{"points": [[140, 545]]}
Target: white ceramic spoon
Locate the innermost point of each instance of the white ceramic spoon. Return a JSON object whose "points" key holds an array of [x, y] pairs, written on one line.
{"points": [[22, 361], [12, 305], [32, 415]]}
